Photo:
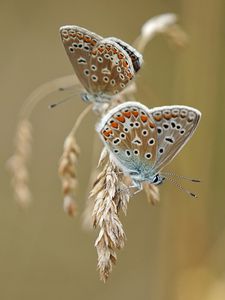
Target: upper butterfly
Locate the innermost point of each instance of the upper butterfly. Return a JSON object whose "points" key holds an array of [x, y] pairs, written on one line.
{"points": [[142, 141], [104, 66]]}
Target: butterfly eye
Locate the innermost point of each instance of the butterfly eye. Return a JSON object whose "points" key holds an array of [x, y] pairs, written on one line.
{"points": [[156, 179]]}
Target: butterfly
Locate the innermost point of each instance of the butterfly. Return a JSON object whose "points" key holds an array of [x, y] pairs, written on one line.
{"points": [[142, 141], [104, 66]]}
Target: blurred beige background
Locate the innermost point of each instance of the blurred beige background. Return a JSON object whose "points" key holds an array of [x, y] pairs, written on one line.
{"points": [[175, 250]]}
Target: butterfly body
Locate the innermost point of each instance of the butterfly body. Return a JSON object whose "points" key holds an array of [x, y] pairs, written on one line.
{"points": [[104, 66], [142, 141]]}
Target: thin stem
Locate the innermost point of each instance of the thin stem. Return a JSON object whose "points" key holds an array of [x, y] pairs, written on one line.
{"points": [[79, 119], [44, 90]]}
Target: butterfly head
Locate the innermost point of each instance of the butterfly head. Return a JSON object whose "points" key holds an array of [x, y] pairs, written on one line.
{"points": [[141, 176], [158, 179]]}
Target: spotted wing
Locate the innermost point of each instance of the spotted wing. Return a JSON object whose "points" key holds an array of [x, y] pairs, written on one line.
{"points": [[111, 68], [78, 43], [129, 134], [135, 56], [175, 126]]}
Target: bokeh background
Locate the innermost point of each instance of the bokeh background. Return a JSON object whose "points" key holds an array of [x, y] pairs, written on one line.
{"points": [[175, 250]]}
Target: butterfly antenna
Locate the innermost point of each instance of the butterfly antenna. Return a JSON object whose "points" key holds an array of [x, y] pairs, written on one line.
{"points": [[68, 88], [180, 187], [53, 105], [181, 177]]}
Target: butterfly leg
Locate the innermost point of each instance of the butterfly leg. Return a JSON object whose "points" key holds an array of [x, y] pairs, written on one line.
{"points": [[137, 186]]}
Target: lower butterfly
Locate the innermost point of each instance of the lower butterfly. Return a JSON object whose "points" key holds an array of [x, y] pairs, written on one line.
{"points": [[104, 66], [143, 141]]}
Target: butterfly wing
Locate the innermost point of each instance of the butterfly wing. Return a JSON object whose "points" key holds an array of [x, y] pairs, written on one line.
{"points": [[129, 133], [78, 43], [111, 68], [135, 56], [175, 126]]}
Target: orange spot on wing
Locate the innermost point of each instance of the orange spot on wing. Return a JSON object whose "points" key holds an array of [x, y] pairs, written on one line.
{"points": [[129, 75], [93, 42], [87, 39], [151, 125], [80, 35], [115, 50], [107, 133], [125, 63], [158, 118], [108, 47], [94, 52], [135, 113], [121, 119], [167, 116], [144, 118], [100, 49], [120, 55], [127, 114], [73, 34], [114, 124]]}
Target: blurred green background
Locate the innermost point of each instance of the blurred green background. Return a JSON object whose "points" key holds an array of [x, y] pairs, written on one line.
{"points": [[175, 251]]}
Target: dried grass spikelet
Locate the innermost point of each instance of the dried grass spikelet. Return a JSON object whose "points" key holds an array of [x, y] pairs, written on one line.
{"points": [[87, 219], [67, 173], [17, 164], [152, 193], [67, 166], [110, 195], [163, 24]]}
